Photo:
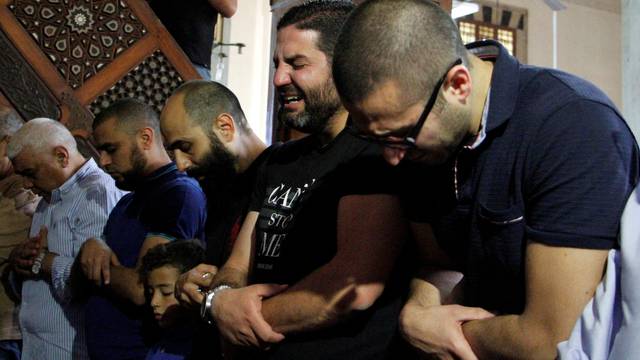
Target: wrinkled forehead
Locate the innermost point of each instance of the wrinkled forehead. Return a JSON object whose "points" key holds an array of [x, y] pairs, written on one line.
{"points": [[291, 41]]}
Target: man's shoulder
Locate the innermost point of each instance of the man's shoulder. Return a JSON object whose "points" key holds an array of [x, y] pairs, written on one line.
{"points": [[180, 183], [549, 90]]}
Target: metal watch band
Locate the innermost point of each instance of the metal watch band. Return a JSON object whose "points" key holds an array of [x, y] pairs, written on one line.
{"points": [[37, 263], [207, 302]]}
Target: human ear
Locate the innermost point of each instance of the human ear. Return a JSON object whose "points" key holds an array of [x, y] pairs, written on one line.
{"points": [[226, 127], [458, 83], [145, 137], [61, 156]]}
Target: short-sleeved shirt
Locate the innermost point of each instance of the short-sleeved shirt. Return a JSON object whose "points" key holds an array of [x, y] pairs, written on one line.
{"points": [[230, 196], [168, 204], [191, 23], [297, 197], [556, 167]]}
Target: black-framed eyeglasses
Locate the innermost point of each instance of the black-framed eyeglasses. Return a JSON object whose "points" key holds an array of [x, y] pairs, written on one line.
{"points": [[409, 140]]}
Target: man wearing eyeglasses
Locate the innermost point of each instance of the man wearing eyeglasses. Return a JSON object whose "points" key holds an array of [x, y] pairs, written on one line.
{"points": [[529, 170]]}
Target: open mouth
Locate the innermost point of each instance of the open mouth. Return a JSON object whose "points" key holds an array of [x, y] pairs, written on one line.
{"points": [[289, 99]]}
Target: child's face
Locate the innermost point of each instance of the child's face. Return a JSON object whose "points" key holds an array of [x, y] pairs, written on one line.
{"points": [[160, 284]]}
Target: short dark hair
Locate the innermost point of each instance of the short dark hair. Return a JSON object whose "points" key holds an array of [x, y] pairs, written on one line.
{"points": [[324, 16], [205, 99], [184, 255], [130, 115], [409, 41]]}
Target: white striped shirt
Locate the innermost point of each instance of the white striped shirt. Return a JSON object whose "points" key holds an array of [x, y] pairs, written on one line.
{"points": [[52, 325]]}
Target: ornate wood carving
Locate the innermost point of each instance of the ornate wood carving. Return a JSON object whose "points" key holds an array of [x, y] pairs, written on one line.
{"points": [[21, 85], [79, 54], [152, 82], [79, 37]]}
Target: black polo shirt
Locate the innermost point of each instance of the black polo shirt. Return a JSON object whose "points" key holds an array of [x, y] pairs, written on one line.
{"points": [[556, 167]]}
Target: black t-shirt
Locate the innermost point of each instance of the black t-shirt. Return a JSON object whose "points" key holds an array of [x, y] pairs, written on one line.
{"points": [[191, 23], [297, 196], [228, 197]]}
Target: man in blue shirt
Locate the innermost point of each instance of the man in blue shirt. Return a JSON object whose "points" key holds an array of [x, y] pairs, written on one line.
{"points": [[527, 172], [76, 200], [164, 205]]}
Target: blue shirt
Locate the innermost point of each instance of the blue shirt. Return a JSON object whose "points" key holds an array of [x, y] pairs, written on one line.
{"points": [[168, 204], [556, 167], [52, 326]]}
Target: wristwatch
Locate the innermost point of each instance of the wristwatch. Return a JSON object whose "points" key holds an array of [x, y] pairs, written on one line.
{"points": [[37, 263], [207, 302]]}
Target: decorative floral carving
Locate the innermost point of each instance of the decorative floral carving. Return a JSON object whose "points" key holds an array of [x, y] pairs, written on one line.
{"points": [[80, 37], [80, 19], [20, 85], [151, 82]]}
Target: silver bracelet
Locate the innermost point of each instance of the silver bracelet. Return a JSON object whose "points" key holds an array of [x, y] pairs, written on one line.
{"points": [[207, 302]]}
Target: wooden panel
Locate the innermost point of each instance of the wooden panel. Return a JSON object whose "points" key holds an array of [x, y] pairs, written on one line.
{"points": [[79, 56]]}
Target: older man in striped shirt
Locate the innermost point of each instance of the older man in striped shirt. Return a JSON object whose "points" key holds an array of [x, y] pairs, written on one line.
{"points": [[77, 199]]}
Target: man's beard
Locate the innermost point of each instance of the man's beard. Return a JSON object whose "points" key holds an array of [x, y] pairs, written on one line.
{"points": [[320, 104], [217, 164], [135, 176]]}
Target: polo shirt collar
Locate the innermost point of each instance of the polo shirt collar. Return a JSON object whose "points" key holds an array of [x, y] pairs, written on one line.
{"points": [[148, 181], [504, 80], [88, 167]]}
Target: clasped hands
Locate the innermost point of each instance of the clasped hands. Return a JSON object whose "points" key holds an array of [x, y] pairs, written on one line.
{"points": [[437, 330], [236, 312], [23, 256], [25, 201]]}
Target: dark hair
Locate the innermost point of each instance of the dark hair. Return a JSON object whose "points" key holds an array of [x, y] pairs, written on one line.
{"points": [[409, 41], [204, 100], [324, 16], [130, 116], [183, 255]]}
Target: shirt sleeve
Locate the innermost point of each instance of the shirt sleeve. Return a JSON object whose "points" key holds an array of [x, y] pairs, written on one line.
{"points": [[87, 221], [581, 169]]}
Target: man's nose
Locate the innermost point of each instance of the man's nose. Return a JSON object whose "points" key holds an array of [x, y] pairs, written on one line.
{"points": [[183, 162], [105, 159], [281, 77], [393, 156]]}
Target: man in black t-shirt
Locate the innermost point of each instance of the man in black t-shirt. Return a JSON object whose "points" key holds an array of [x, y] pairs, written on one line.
{"points": [[314, 279], [191, 23]]}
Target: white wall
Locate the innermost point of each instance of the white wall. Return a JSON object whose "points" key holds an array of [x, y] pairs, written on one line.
{"points": [[248, 73], [589, 42], [631, 64]]}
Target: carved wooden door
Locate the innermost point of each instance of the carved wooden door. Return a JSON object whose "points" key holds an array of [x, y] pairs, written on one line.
{"points": [[69, 59]]}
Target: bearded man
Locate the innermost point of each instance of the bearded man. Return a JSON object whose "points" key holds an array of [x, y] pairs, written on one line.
{"points": [[321, 221], [205, 129], [164, 205]]}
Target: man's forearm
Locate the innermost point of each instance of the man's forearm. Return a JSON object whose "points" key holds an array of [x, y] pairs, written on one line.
{"points": [[230, 276], [313, 303], [125, 283], [435, 287], [225, 7], [507, 337]]}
